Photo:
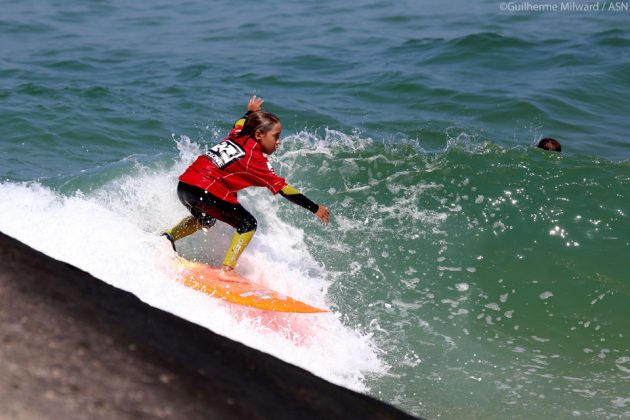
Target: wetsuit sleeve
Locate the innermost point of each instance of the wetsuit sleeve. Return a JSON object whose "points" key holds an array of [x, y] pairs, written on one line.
{"points": [[293, 195]]}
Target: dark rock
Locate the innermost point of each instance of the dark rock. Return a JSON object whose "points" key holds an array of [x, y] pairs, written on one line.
{"points": [[74, 347]]}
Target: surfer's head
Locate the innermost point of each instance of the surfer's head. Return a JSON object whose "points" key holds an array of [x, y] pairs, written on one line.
{"points": [[550, 144], [265, 128]]}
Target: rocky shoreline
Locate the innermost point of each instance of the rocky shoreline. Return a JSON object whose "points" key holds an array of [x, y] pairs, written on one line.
{"points": [[74, 347]]}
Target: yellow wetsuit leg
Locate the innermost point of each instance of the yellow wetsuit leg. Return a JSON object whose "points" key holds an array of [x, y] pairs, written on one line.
{"points": [[187, 226], [238, 245]]}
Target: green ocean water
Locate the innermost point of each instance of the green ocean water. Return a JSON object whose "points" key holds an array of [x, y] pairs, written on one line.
{"points": [[491, 276]]}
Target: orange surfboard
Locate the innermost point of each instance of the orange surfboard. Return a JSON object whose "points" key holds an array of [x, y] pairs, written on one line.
{"points": [[234, 288]]}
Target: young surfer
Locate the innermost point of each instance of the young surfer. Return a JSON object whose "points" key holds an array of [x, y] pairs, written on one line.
{"points": [[208, 187]]}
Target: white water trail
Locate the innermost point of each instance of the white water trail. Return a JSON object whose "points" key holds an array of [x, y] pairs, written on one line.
{"points": [[113, 233]]}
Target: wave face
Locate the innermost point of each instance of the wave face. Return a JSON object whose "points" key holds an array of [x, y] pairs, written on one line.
{"points": [[489, 273], [475, 268]]}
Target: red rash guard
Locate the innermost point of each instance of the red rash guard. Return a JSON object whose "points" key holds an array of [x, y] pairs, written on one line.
{"points": [[234, 164]]}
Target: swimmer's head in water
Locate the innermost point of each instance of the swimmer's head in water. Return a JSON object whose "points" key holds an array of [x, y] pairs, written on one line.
{"points": [[550, 144]]}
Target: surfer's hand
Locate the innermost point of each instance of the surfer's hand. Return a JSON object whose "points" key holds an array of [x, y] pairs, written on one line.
{"points": [[322, 214], [255, 104]]}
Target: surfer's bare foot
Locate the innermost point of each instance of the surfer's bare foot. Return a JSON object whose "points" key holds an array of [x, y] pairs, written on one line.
{"points": [[227, 273]]}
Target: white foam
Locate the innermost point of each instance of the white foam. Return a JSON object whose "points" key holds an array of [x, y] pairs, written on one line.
{"points": [[113, 233], [545, 295]]}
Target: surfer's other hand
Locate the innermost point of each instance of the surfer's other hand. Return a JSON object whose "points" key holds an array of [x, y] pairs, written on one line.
{"points": [[322, 214], [255, 104]]}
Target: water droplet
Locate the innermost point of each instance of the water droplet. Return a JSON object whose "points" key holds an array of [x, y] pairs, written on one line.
{"points": [[545, 295], [462, 287]]}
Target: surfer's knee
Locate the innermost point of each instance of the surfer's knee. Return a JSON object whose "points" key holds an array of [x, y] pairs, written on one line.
{"points": [[207, 221], [203, 218], [248, 223]]}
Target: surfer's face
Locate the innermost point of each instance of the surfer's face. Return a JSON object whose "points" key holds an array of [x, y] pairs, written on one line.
{"points": [[270, 140]]}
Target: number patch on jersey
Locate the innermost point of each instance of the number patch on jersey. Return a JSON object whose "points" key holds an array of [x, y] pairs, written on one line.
{"points": [[225, 153]]}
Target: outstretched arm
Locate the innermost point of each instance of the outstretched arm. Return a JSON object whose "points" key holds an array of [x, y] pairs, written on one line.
{"points": [[254, 104], [295, 196]]}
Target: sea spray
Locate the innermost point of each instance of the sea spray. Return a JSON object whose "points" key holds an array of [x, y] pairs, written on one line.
{"points": [[113, 233]]}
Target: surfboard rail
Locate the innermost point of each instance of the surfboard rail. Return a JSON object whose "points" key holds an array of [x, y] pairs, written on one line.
{"points": [[234, 288]]}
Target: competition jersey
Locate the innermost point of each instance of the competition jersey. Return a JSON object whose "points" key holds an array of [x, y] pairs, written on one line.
{"points": [[234, 164]]}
